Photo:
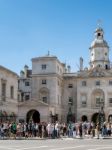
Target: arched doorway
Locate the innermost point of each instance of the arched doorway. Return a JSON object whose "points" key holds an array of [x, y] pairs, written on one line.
{"points": [[84, 118], [95, 118], [33, 115]]}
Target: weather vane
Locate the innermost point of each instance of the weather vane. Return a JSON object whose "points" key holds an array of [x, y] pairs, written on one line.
{"points": [[99, 23]]}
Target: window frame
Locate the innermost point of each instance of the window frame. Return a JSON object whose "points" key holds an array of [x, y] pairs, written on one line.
{"points": [[27, 83], [98, 83], [44, 81], [70, 85], [110, 99], [83, 100], [70, 100], [43, 66], [84, 83], [110, 82], [27, 97], [3, 91], [45, 99], [11, 92]]}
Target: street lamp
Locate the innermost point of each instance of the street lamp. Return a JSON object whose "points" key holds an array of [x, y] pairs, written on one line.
{"points": [[70, 115], [53, 120], [101, 115]]}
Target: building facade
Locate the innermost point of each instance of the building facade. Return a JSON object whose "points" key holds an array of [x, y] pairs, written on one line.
{"points": [[94, 84], [56, 93], [8, 95]]}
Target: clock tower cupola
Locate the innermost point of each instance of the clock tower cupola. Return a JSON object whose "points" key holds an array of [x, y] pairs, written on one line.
{"points": [[99, 51]]}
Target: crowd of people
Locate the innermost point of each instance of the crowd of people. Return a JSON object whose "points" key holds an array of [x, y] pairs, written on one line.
{"points": [[54, 130]]}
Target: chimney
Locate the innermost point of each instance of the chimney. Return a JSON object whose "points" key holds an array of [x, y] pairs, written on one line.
{"points": [[25, 70], [22, 74], [81, 63], [69, 69]]}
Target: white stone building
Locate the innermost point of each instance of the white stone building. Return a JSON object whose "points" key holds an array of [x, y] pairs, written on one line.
{"points": [[57, 93], [8, 94], [94, 85], [46, 90]]}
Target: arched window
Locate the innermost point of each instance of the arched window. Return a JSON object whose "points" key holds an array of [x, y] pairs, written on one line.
{"points": [[44, 95]]}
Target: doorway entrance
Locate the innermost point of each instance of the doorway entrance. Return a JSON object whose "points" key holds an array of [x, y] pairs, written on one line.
{"points": [[33, 115], [84, 118], [95, 118]]}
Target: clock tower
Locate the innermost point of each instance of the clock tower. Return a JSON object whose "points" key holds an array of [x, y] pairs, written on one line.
{"points": [[99, 51]]}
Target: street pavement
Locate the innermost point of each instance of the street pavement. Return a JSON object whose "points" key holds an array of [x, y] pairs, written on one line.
{"points": [[57, 144]]}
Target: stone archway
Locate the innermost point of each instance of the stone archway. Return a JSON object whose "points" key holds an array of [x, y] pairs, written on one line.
{"points": [[33, 115], [84, 118]]}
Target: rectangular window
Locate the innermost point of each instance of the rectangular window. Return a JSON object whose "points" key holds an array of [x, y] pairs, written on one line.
{"points": [[70, 100], [83, 83], [58, 100], [18, 97], [83, 100], [27, 97], [3, 92], [12, 92], [22, 96], [110, 100], [44, 66], [97, 82], [43, 81], [70, 86], [97, 102], [58, 68], [27, 83], [44, 99], [110, 82]]}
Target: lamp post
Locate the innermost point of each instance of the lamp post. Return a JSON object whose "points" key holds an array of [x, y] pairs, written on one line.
{"points": [[70, 115], [101, 115], [53, 120]]}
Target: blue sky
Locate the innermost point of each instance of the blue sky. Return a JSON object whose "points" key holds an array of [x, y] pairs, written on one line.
{"points": [[29, 28]]}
